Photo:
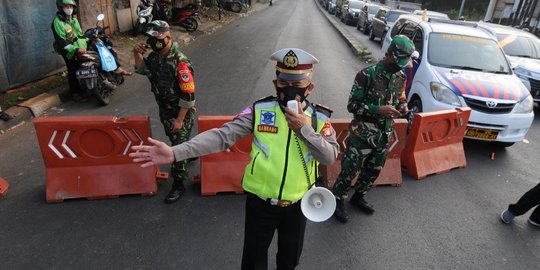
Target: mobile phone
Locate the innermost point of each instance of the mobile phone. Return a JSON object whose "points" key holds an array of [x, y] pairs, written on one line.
{"points": [[293, 105]]}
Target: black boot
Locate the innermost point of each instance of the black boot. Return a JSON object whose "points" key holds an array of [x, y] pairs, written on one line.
{"points": [[177, 190], [340, 214], [358, 200]]}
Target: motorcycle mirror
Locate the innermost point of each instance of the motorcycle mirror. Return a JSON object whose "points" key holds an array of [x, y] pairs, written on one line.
{"points": [[100, 17]]}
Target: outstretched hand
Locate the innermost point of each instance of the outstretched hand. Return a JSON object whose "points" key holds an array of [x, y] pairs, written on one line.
{"points": [[157, 153]]}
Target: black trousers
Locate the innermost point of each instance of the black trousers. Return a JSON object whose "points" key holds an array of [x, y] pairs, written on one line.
{"points": [[262, 220], [529, 200], [72, 65]]}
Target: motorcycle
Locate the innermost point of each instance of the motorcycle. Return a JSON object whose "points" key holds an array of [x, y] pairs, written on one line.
{"points": [[144, 14], [96, 69], [186, 17]]}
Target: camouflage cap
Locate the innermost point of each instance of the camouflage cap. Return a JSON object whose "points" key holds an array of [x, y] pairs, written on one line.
{"points": [[401, 48], [157, 28]]}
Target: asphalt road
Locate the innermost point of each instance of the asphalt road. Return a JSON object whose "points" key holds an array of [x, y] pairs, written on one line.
{"points": [[447, 221]]}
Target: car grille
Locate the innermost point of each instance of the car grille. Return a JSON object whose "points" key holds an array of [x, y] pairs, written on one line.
{"points": [[535, 88], [480, 105]]}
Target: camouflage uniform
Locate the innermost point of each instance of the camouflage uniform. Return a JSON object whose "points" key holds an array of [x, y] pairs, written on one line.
{"points": [[369, 131], [162, 72]]}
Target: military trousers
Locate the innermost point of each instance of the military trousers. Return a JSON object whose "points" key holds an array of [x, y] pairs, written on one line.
{"points": [[168, 117], [360, 159]]}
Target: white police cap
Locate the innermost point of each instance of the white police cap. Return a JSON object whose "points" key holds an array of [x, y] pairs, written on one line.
{"points": [[293, 64]]}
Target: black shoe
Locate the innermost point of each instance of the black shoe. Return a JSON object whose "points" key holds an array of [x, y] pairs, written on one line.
{"points": [[358, 201], [5, 117], [340, 214], [176, 191]]}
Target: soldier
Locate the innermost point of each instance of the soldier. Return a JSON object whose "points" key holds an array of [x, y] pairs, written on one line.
{"points": [[286, 149], [376, 97], [171, 75], [529, 200]]}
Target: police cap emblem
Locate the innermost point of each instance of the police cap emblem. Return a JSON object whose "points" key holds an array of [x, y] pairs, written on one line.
{"points": [[290, 60]]}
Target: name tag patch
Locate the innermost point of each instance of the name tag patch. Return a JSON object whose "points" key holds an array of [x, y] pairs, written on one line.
{"points": [[267, 128]]}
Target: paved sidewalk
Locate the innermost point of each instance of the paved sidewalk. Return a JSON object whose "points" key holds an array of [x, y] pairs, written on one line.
{"points": [[208, 24]]}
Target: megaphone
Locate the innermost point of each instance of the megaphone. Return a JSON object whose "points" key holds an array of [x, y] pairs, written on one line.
{"points": [[318, 204]]}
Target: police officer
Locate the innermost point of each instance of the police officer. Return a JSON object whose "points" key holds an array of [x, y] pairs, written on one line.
{"points": [[286, 149], [376, 97], [68, 40], [171, 75]]}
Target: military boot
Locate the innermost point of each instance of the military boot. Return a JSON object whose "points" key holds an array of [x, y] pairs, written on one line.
{"points": [[340, 214], [358, 200], [177, 190]]}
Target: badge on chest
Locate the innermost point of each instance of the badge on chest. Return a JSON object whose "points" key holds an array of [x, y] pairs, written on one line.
{"points": [[267, 122]]}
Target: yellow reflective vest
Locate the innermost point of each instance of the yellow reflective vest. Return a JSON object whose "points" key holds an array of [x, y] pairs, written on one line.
{"points": [[276, 169]]}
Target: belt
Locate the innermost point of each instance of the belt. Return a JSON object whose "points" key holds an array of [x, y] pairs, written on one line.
{"points": [[275, 202]]}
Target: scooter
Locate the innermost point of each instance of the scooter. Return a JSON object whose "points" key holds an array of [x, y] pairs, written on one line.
{"points": [[144, 14], [186, 17], [96, 70]]}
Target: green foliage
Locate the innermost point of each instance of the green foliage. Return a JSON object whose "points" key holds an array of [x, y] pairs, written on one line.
{"points": [[472, 10]]}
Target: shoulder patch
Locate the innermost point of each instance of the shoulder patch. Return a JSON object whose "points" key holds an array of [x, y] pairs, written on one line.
{"points": [[327, 130], [246, 111], [323, 109], [268, 98]]}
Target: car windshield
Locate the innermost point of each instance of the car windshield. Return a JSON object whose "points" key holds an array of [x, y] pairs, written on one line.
{"points": [[520, 46], [373, 9], [466, 52], [355, 5], [392, 16]]}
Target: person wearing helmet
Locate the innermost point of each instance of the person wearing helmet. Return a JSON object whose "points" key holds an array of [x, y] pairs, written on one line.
{"points": [[68, 40], [171, 75], [376, 97]]}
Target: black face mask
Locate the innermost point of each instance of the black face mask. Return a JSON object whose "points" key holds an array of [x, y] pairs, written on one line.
{"points": [[156, 44], [291, 93]]}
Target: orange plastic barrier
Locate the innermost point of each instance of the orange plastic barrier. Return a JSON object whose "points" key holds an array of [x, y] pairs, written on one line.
{"points": [[435, 143], [87, 157], [4, 186], [391, 172], [223, 172]]}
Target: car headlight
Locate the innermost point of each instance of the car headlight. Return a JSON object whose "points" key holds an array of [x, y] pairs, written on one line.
{"points": [[522, 73], [525, 106], [444, 94]]}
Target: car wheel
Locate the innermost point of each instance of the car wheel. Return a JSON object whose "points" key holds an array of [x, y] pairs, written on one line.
{"points": [[415, 105], [371, 34], [503, 144]]}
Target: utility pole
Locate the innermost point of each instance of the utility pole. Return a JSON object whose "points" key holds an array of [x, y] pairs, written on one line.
{"points": [[461, 8]]}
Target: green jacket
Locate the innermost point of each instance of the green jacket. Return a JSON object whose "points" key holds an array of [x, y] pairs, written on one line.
{"points": [[68, 35]]}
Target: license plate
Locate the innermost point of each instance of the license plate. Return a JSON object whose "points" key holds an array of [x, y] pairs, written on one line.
{"points": [[480, 133], [86, 73]]}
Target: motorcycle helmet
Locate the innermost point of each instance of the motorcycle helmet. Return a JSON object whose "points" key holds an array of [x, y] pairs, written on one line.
{"points": [[61, 3]]}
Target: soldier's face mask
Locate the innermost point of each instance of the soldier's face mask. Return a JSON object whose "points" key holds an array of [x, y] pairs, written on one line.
{"points": [[156, 44], [290, 91]]}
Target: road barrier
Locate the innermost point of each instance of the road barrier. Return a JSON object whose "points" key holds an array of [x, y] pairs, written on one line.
{"points": [[391, 172], [223, 171], [435, 143], [87, 157], [4, 187]]}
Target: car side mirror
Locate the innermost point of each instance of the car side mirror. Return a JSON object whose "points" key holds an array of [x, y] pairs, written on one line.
{"points": [[415, 55], [514, 65]]}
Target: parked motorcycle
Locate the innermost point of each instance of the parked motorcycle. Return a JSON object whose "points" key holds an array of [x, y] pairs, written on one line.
{"points": [[96, 69], [145, 15], [186, 17]]}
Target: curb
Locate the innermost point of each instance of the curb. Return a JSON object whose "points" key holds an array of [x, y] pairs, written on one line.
{"points": [[37, 106], [357, 47]]}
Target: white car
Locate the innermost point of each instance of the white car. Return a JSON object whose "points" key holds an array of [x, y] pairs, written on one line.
{"points": [[463, 66], [523, 48]]}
